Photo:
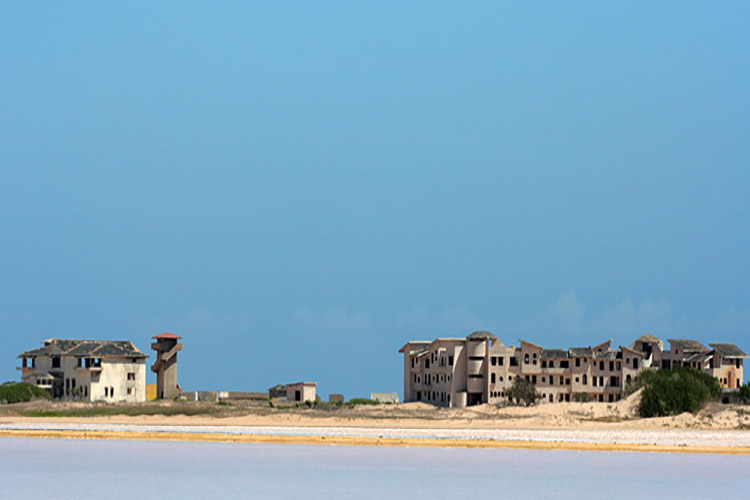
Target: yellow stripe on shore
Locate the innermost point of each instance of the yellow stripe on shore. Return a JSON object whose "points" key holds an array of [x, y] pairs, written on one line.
{"points": [[371, 441]]}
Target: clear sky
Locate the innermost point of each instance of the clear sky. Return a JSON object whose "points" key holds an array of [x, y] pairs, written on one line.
{"points": [[298, 188]]}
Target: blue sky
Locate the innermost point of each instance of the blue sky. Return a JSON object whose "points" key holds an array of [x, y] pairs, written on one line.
{"points": [[298, 189]]}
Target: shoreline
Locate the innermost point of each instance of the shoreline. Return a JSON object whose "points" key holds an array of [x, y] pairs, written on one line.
{"points": [[371, 441]]}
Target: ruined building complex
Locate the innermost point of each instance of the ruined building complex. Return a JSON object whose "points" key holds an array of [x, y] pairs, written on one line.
{"points": [[478, 369], [91, 370]]}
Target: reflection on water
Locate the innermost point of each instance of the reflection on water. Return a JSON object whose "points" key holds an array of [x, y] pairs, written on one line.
{"points": [[75, 469]]}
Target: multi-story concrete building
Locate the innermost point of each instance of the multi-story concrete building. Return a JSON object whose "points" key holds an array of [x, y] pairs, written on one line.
{"points": [[480, 369], [91, 370]]}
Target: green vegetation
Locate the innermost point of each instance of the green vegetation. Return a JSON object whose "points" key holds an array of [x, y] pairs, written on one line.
{"points": [[129, 410], [671, 392], [582, 397], [640, 381], [361, 401], [11, 392], [523, 392], [743, 395]]}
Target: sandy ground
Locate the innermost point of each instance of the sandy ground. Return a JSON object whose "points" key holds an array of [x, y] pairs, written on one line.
{"points": [[716, 429]]}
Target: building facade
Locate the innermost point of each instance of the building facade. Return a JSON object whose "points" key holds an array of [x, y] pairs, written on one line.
{"points": [[89, 370], [479, 369]]}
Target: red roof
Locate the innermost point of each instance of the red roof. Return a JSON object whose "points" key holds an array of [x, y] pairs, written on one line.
{"points": [[166, 335]]}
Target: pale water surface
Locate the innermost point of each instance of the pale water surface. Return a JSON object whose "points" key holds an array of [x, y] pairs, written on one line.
{"points": [[76, 469]]}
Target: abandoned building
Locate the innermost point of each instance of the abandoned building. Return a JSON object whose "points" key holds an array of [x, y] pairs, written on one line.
{"points": [[301, 392], [89, 370], [479, 369], [165, 366]]}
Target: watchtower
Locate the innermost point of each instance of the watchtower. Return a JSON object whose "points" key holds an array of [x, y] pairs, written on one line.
{"points": [[165, 367]]}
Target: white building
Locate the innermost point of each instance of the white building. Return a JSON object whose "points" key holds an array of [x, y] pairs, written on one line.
{"points": [[90, 370], [301, 392]]}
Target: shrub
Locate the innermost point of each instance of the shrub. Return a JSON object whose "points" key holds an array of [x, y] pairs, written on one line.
{"points": [[362, 401], [743, 395], [641, 380], [523, 392], [582, 397], [11, 392], [671, 392]]}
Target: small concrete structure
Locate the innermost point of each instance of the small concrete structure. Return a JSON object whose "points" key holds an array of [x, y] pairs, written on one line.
{"points": [[277, 393], [301, 392], [336, 398], [165, 367], [384, 397]]}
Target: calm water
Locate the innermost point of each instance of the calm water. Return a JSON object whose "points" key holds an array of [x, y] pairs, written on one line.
{"points": [[75, 469]]}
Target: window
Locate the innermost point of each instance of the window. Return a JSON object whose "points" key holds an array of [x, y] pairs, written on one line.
{"points": [[476, 358], [544, 363], [106, 392], [80, 362], [564, 364], [577, 380], [562, 380], [578, 362], [619, 366], [601, 365], [611, 366], [111, 392], [526, 358], [635, 363], [501, 378], [614, 381], [427, 363], [55, 362], [544, 379], [130, 391], [131, 376], [492, 378], [500, 361], [585, 379], [552, 381], [450, 360], [593, 380], [601, 381], [494, 361], [533, 379], [513, 361], [551, 364]]}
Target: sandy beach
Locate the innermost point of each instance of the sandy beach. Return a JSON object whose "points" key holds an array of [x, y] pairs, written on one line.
{"points": [[571, 426]]}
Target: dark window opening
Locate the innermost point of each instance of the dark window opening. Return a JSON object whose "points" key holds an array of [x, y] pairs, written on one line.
{"points": [[55, 362]]}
